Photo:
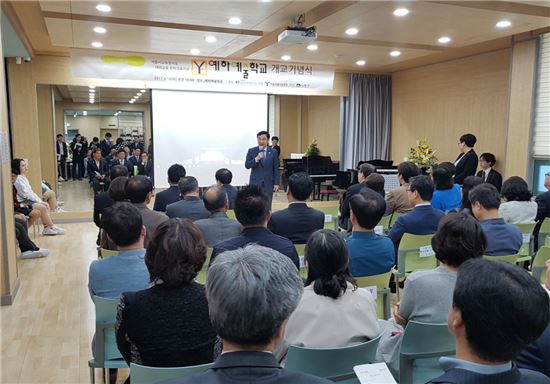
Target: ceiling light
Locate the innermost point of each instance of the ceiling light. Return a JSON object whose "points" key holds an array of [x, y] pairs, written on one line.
{"points": [[194, 51], [352, 31], [91, 90], [139, 93], [286, 57], [444, 39], [360, 62], [235, 21], [92, 87], [91, 101], [503, 24], [131, 101], [103, 8], [210, 39], [401, 12], [100, 30], [313, 47], [97, 44], [395, 53], [85, 113], [142, 90]]}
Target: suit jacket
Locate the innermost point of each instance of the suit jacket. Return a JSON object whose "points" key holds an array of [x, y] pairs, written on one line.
{"points": [[466, 166], [397, 200], [133, 161], [146, 170], [63, 152], [543, 202], [248, 367], [344, 208], [105, 147], [151, 219], [101, 201], [217, 228], [297, 222], [190, 207], [166, 197], [493, 177], [536, 356], [231, 194], [261, 236], [125, 163], [79, 151], [513, 376], [265, 173], [93, 168], [421, 220]]}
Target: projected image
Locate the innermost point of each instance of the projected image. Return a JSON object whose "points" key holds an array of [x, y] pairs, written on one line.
{"points": [[205, 132]]}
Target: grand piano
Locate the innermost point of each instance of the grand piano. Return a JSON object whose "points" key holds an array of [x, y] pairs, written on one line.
{"points": [[320, 168]]}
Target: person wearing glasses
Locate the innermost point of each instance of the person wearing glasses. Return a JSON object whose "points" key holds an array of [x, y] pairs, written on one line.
{"points": [[466, 162]]}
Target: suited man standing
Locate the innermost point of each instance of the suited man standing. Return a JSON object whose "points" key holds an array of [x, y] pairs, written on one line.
{"points": [[263, 161], [61, 151], [298, 221], [106, 144], [487, 161], [79, 147], [466, 162], [190, 206]]}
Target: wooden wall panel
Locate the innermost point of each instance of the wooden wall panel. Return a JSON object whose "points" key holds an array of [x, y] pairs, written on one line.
{"points": [[290, 125], [324, 124], [48, 158]]}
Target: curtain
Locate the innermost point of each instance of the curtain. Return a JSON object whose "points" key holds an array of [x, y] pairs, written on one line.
{"points": [[367, 119]]}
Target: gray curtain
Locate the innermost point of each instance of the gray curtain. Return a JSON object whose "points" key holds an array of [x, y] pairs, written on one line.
{"points": [[367, 119]]}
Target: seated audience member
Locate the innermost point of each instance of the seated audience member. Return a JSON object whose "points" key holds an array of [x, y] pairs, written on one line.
{"points": [[487, 161], [112, 155], [397, 200], [369, 253], [223, 179], [252, 212], [167, 325], [172, 194], [116, 192], [502, 239], [145, 168], [21, 209], [376, 182], [98, 172], [468, 184], [29, 250], [139, 190], [135, 160], [127, 271], [190, 206], [265, 289], [122, 161], [423, 219], [332, 312], [537, 355], [218, 227], [26, 196], [364, 171], [490, 299], [298, 221], [103, 199], [517, 207], [49, 196], [543, 200], [447, 195]]}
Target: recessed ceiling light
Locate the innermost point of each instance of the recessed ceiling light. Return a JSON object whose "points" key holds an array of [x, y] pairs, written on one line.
{"points": [[235, 21], [503, 24], [444, 39], [97, 44], [401, 12], [142, 90], [91, 101], [103, 8], [286, 57], [360, 62], [352, 31], [210, 39], [92, 87], [194, 51], [91, 90], [313, 47], [395, 53], [99, 30], [131, 101], [139, 93]]}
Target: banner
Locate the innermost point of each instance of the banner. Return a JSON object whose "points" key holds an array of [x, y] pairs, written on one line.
{"points": [[200, 73]]}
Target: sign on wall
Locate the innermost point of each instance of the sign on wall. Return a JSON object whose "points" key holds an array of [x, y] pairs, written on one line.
{"points": [[201, 73]]}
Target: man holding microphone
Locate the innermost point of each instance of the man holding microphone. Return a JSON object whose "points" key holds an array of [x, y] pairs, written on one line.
{"points": [[263, 161]]}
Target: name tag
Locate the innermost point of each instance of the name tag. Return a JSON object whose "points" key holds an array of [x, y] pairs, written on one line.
{"points": [[426, 251], [526, 238], [328, 218], [373, 291], [379, 230]]}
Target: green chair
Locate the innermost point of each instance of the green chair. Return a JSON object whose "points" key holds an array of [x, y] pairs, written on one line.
{"points": [[201, 277], [539, 264], [511, 259], [394, 216], [333, 212], [385, 222], [335, 364], [544, 233], [231, 214], [382, 284], [105, 253], [106, 354], [141, 374], [525, 253], [421, 347]]}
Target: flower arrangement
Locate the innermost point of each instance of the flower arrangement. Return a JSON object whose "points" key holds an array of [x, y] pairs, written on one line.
{"points": [[422, 155], [313, 149]]}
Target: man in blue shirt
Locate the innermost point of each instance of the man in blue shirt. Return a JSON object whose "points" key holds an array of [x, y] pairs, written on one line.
{"points": [[484, 321], [370, 254], [502, 239]]}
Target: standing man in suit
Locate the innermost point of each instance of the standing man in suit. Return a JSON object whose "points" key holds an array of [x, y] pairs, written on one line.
{"points": [[298, 221], [223, 179], [98, 172], [137, 143], [275, 145], [264, 164], [61, 151], [79, 149], [487, 161], [466, 162], [543, 200], [172, 194], [106, 144], [190, 206]]}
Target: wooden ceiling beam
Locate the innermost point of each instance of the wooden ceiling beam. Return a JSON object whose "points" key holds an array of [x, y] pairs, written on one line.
{"points": [[501, 6]]}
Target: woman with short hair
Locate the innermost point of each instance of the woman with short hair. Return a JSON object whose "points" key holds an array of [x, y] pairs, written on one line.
{"points": [[447, 196], [517, 207]]}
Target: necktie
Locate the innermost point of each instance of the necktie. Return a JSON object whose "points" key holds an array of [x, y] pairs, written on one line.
{"points": [[484, 176], [263, 158]]}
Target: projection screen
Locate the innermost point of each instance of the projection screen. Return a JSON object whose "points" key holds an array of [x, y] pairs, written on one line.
{"points": [[205, 131]]}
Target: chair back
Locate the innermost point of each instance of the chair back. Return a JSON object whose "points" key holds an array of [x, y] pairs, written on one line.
{"points": [[335, 364], [142, 374], [333, 213], [423, 341], [510, 259], [201, 277], [539, 264], [105, 341], [382, 284], [394, 216], [415, 253], [105, 253], [385, 222], [526, 250]]}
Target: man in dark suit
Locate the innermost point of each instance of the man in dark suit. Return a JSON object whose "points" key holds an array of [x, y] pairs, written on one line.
{"points": [[264, 290], [172, 194], [364, 171], [543, 200], [298, 221], [79, 148], [487, 161], [98, 172], [466, 162], [106, 144], [61, 152], [121, 160], [252, 212], [223, 179], [145, 168], [423, 219], [135, 161], [264, 164], [190, 206], [275, 145], [489, 300], [103, 200], [137, 143]]}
